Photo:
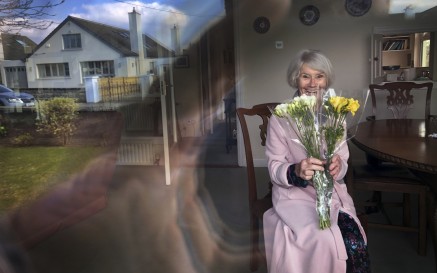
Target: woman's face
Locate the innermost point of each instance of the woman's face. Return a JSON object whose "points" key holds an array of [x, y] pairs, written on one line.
{"points": [[311, 81]]}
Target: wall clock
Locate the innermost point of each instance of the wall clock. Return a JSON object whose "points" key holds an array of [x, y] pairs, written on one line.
{"points": [[358, 7], [309, 15], [261, 24]]}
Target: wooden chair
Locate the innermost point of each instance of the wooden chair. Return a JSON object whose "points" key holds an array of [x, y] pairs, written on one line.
{"points": [[361, 178], [399, 98], [380, 177], [257, 205], [399, 102]]}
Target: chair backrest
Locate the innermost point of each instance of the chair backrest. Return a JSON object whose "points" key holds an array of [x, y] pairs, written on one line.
{"points": [[399, 98], [263, 111]]}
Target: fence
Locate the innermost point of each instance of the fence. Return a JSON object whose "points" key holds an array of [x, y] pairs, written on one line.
{"points": [[120, 88]]}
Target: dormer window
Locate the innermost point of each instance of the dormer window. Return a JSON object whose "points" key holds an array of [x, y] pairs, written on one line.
{"points": [[72, 41]]}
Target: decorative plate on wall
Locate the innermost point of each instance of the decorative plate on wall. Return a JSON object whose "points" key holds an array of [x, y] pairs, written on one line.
{"points": [[261, 24], [309, 15], [358, 7]]}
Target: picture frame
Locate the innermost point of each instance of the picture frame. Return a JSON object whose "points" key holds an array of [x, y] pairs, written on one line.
{"points": [[182, 61]]}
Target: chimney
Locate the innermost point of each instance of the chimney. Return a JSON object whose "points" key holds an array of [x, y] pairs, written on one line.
{"points": [[136, 37], [27, 50], [175, 37]]}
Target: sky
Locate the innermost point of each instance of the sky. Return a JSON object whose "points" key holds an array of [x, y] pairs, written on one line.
{"points": [[399, 6], [158, 17]]}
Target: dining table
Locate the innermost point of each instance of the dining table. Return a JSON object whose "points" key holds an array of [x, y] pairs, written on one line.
{"points": [[411, 143]]}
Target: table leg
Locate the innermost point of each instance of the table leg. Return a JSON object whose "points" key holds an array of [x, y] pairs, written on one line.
{"points": [[430, 180], [432, 220]]}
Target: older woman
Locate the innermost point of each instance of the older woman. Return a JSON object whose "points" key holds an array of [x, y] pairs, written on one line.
{"points": [[294, 241]]}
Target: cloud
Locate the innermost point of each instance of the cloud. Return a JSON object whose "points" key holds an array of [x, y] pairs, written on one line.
{"points": [[37, 35], [192, 18], [157, 19]]}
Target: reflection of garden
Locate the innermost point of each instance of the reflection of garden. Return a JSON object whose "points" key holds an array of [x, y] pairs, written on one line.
{"points": [[30, 166], [92, 129]]}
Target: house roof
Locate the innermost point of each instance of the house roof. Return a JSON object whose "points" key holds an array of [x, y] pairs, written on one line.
{"points": [[116, 38], [16, 47]]}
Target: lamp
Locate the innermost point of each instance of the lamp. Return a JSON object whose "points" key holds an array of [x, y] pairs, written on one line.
{"points": [[410, 12]]}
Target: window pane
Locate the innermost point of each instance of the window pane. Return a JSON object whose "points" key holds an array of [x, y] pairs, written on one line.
{"points": [[61, 69], [100, 68], [66, 70], [72, 41], [425, 53], [53, 70], [47, 70]]}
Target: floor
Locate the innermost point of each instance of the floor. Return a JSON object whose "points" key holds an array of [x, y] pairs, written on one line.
{"points": [[197, 224]]}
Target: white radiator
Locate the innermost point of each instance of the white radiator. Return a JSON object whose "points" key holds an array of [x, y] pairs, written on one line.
{"points": [[141, 151]]}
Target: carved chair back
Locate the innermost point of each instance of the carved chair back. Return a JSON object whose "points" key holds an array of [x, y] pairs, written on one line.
{"points": [[257, 205], [399, 97]]}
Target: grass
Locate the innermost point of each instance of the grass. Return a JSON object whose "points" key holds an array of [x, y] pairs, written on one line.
{"points": [[28, 172]]}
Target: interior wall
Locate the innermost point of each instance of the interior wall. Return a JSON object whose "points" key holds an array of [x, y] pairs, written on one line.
{"points": [[188, 96], [345, 39]]}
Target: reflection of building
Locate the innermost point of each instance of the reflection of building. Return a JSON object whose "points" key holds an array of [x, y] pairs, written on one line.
{"points": [[78, 48], [13, 52], [206, 77]]}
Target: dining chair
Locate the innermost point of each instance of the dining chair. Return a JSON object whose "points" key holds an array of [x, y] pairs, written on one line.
{"points": [[379, 176], [364, 178], [399, 97], [399, 100], [257, 205]]}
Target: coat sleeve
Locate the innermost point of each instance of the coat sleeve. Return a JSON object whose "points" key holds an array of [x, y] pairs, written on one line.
{"points": [[278, 153]]}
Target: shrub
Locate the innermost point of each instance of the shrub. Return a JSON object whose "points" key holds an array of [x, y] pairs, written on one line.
{"points": [[23, 140], [3, 131], [57, 117], [3, 125]]}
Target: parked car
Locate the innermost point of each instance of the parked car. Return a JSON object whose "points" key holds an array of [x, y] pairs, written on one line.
{"points": [[11, 100]]}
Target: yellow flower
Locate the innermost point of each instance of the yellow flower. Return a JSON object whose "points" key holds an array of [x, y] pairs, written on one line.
{"points": [[336, 103], [353, 106]]}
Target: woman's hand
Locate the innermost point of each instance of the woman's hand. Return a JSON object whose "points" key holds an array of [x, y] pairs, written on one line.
{"points": [[335, 166], [305, 169]]}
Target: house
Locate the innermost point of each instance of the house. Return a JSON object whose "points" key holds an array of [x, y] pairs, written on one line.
{"points": [[14, 49], [80, 48]]}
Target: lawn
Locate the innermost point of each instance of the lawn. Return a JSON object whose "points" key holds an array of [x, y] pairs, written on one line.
{"points": [[28, 172]]}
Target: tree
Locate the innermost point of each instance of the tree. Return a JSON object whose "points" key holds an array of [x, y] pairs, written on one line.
{"points": [[16, 15], [58, 117]]}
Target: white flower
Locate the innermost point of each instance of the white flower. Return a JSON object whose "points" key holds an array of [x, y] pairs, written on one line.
{"points": [[281, 110]]}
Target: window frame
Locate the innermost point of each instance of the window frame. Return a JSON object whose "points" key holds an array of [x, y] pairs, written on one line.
{"points": [[53, 70], [106, 68], [72, 41]]}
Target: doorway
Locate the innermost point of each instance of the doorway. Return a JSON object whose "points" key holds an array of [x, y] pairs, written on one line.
{"points": [[403, 54]]}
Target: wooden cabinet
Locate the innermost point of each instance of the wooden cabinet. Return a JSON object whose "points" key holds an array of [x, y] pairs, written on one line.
{"points": [[398, 50]]}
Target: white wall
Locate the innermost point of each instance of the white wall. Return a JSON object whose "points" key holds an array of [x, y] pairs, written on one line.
{"points": [[52, 52], [188, 96], [346, 40]]}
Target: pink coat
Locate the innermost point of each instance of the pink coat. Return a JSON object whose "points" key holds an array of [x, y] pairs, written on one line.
{"points": [[294, 242]]}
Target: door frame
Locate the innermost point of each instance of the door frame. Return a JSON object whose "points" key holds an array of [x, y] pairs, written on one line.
{"points": [[392, 30]]}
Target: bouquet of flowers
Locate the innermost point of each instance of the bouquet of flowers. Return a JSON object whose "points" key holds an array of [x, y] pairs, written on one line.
{"points": [[321, 131]]}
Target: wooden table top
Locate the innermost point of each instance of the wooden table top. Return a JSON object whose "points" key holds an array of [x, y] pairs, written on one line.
{"points": [[401, 141]]}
